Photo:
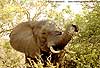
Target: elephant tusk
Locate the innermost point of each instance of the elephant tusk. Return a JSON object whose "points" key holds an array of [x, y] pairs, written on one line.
{"points": [[53, 51]]}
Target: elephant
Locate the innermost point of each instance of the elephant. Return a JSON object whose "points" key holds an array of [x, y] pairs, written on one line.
{"points": [[37, 38]]}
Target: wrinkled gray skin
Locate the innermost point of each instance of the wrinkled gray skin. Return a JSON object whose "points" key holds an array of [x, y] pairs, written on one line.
{"points": [[39, 36], [32, 37]]}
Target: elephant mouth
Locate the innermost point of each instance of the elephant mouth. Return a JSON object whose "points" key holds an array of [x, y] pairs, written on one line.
{"points": [[52, 47], [53, 50]]}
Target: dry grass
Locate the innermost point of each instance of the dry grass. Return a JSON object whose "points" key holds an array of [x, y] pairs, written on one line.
{"points": [[10, 58]]}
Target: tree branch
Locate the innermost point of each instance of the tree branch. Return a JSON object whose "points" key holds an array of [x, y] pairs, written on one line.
{"points": [[5, 31]]}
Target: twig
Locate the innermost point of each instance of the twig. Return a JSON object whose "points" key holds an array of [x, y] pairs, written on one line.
{"points": [[5, 31]]}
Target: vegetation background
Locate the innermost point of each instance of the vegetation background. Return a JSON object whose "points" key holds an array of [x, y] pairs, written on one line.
{"points": [[86, 44]]}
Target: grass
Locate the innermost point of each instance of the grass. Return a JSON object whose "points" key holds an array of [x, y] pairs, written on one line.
{"points": [[10, 58]]}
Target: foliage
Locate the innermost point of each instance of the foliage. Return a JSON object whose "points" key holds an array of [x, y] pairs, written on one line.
{"points": [[86, 45], [9, 58]]}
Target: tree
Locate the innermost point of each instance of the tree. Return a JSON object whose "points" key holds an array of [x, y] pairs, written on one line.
{"points": [[87, 44]]}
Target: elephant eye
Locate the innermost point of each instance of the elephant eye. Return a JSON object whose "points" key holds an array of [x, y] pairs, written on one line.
{"points": [[58, 33], [43, 33]]}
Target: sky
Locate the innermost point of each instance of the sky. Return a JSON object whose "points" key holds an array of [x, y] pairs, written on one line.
{"points": [[75, 7]]}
